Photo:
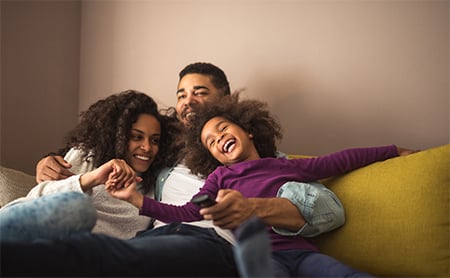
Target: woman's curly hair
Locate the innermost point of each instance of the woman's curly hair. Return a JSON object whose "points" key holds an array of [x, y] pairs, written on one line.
{"points": [[105, 127], [253, 116]]}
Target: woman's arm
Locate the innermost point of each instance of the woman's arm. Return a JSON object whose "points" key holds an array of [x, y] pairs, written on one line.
{"points": [[116, 171], [87, 176], [79, 166]]}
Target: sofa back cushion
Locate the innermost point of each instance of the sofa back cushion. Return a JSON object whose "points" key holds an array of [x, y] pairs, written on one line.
{"points": [[14, 184], [397, 216]]}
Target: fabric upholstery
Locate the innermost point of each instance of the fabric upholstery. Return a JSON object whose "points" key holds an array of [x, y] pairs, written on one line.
{"points": [[397, 216], [14, 184]]}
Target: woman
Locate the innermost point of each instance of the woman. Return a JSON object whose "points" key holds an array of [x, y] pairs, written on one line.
{"points": [[123, 133]]}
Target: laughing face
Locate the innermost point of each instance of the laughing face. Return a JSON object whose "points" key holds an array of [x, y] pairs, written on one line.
{"points": [[227, 142], [143, 145]]}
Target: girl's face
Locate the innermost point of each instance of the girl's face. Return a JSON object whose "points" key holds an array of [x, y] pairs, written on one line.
{"points": [[227, 142], [144, 142]]}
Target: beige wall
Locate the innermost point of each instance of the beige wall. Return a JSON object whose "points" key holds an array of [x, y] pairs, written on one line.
{"points": [[336, 73], [40, 42]]}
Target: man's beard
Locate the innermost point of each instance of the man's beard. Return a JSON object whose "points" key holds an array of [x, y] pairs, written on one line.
{"points": [[188, 116]]}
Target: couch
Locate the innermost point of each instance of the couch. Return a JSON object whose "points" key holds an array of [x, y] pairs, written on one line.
{"points": [[397, 214]]}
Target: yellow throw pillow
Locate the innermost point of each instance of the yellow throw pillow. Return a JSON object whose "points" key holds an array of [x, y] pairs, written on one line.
{"points": [[397, 216]]}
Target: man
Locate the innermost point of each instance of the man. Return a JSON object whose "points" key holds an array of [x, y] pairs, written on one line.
{"points": [[175, 249]]}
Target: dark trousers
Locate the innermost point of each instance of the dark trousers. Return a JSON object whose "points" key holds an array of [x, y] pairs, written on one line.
{"points": [[172, 250], [305, 263]]}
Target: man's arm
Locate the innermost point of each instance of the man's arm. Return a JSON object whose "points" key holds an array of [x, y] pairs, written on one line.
{"points": [[233, 209], [278, 212], [52, 168]]}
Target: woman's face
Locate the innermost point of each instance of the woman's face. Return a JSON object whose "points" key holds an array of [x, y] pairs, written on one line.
{"points": [[228, 142], [144, 142]]}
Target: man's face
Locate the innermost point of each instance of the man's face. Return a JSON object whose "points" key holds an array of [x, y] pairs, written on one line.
{"points": [[195, 90]]}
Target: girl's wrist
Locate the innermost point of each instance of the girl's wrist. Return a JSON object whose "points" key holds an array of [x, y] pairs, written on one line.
{"points": [[137, 200]]}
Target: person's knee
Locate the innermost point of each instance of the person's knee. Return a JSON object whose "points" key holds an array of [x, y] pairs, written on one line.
{"points": [[51, 216], [68, 212], [80, 206]]}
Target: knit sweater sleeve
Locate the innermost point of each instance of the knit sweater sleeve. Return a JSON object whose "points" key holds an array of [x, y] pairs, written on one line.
{"points": [[79, 166]]}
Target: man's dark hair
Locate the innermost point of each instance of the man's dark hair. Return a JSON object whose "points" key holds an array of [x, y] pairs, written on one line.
{"points": [[218, 77]]}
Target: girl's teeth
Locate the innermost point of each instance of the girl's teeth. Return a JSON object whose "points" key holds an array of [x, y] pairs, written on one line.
{"points": [[228, 146]]}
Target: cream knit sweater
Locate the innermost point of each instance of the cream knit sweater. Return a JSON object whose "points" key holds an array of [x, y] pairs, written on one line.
{"points": [[115, 217]]}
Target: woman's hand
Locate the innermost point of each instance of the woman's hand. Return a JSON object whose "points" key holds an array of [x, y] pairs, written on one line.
{"points": [[122, 175]]}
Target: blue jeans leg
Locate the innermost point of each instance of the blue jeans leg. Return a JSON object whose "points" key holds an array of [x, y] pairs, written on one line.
{"points": [[174, 250], [252, 250], [305, 263], [52, 216]]}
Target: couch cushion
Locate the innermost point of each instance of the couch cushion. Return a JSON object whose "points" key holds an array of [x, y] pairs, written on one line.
{"points": [[397, 215], [14, 184]]}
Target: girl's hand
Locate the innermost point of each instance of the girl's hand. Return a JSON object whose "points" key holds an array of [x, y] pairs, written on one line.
{"points": [[403, 151], [128, 193]]}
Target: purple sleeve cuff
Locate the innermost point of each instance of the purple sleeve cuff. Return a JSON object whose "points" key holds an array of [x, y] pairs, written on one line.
{"points": [[146, 206]]}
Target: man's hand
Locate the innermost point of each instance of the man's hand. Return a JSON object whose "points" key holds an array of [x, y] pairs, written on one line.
{"points": [[52, 168], [231, 210]]}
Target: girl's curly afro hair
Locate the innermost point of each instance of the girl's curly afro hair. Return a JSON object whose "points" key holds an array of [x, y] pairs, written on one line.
{"points": [[104, 130], [253, 116]]}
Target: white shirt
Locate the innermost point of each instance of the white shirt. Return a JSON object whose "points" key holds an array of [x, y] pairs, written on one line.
{"points": [[179, 188]]}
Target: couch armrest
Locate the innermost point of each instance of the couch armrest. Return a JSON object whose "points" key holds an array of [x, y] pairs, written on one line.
{"points": [[14, 184]]}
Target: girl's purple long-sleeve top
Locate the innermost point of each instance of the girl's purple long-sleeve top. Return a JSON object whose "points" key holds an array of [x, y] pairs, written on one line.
{"points": [[263, 177]]}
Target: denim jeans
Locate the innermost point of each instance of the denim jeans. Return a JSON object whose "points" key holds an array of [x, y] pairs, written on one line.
{"points": [[305, 263], [48, 217], [252, 250], [255, 258], [172, 250]]}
